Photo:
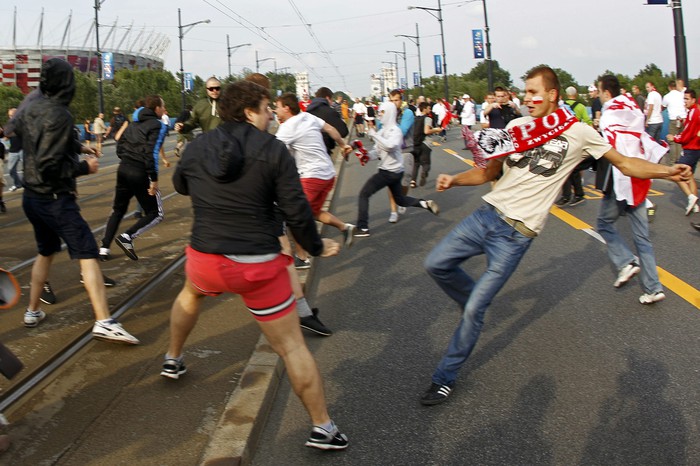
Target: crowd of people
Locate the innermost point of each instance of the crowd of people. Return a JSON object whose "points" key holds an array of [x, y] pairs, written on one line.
{"points": [[256, 196]]}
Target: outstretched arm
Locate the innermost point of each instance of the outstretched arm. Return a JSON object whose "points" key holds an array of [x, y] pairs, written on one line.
{"points": [[473, 177]]}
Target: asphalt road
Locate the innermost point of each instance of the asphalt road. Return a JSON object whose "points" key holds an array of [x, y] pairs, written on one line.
{"points": [[568, 370]]}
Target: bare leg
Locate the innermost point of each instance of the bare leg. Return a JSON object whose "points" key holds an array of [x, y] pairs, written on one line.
{"points": [[40, 272], [183, 317], [326, 218], [284, 335], [95, 286]]}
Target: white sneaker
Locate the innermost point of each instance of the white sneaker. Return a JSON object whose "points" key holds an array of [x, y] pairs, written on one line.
{"points": [[401, 210], [692, 203], [393, 217], [626, 273], [32, 318], [105, 254], [651, 298], [113, 331]]}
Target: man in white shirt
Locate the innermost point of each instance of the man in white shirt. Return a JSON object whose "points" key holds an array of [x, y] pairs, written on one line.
{"points": [[674, 104], [301, 133], [653, 112], [467, 117], [359, 110]]}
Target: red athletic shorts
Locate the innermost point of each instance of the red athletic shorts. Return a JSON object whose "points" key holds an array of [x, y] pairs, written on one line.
{"points": [[264, 287], [316, 191]]}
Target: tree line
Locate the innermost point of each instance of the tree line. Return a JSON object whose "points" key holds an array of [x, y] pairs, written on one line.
{"points": [[130, 85]]}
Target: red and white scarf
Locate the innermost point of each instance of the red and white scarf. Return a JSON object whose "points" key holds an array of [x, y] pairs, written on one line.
{"points": [[622, 123], [491, 143]]}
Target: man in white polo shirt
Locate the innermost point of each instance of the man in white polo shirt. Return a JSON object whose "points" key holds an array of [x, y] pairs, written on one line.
{"points": [[653, 113], [301, 133], [674, 104]]}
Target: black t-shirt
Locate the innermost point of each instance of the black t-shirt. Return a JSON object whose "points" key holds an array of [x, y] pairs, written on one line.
{"points": [[596, 106]]}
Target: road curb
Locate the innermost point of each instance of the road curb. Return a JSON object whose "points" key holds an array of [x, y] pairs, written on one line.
{"points": [[237, 432]]}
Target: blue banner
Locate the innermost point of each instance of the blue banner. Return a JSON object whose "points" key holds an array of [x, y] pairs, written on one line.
{"points": [[416, 79], [438, 64], [657, 2], [403, 83], [478, 39], [107, 66], [189, 82]]}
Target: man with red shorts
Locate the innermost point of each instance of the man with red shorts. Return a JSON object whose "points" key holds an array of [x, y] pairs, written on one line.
{"points": [[301, 133], [235, 174]]}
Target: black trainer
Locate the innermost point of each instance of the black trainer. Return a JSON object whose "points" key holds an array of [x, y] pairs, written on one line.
{"points": [[173, 368], [576, 201], [323, 440], [562, 201], [436, 394], [127, 245], [47, 294], [313, 324], [302, 264]]}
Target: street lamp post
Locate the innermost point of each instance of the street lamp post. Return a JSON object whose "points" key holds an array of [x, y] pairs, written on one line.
{"points": [[228, 50], [405, 68], [489, 62], [98, 4], [258, 61], [416, 40], [181, 33], [438, 16]]}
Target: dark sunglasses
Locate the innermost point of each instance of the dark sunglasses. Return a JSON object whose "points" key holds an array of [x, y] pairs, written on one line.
{"points": [[215, 88]]}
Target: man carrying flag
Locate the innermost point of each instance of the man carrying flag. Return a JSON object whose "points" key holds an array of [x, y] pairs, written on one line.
{"points": [[542, 150], [622, 123]]}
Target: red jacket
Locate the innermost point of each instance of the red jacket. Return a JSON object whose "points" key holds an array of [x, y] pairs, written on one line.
{"points": [[689, 138]]}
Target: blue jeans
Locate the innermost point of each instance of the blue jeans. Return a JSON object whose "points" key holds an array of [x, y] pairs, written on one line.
{"points": [[14, 160], [654, 130], [618, 252], [483, 232]]}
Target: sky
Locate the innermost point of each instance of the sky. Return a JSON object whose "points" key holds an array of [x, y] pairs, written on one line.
{"points": [[341, 44]]}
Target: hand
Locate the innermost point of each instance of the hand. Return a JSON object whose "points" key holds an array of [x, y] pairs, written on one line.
{"points": [[153, 188], [178, 127], [166, 162], [330, 247], [680, 172], [346, 150], [93, 164], [669, 137], [443, 182]]}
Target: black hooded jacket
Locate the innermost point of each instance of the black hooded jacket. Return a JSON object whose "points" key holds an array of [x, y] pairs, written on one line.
{"points": [[234, 175], [321, 108], [50, 141]]}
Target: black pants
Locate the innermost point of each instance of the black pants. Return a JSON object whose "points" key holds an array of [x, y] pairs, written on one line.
{"points": [[422, 159], [378, 181], [132, 181]]}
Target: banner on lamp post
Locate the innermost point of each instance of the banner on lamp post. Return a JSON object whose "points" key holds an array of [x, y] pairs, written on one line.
{"points": [[438, 64], [189, 82], [657, 2], [107, 66], [416, 79], [478, 40]]}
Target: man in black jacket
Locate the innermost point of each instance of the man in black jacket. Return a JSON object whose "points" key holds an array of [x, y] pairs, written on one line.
{"points": [[51, 146], [321, 107], [235, 174], [138, 148]]}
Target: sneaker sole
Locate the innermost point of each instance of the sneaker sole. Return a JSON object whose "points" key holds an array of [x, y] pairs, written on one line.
{"points": [[173, 375], [433, 402], [316, 331], [129, 253], [36, 324], [114, 340], [325, 446]]}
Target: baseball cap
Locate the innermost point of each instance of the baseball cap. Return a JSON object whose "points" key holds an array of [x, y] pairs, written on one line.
{"points": [[592, 88], [465, 96]]}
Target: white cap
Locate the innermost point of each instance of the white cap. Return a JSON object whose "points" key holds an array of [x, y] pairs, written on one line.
{"points": [[592, 88], [465, 96]]}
